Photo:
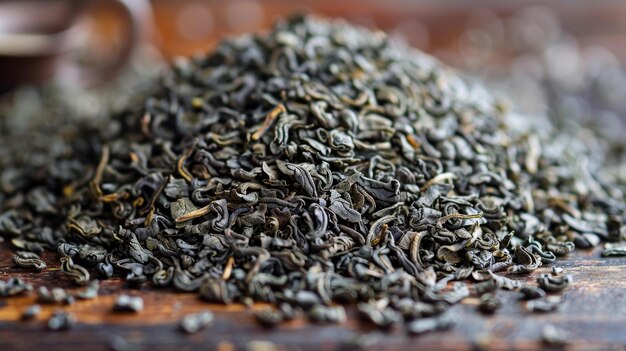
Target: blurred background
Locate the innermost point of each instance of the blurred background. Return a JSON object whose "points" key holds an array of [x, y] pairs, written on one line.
{"points": [[556, 57]]}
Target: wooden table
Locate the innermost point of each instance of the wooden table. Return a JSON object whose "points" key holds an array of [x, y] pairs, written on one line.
{"points": [[594, 315]]}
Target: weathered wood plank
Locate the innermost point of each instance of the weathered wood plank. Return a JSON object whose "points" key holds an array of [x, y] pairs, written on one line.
{"points": [[594, 314]]}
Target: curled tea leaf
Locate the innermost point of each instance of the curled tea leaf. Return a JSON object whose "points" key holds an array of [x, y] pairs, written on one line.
{"points": [[90, 292], [531, 292], [544, 305], [268, 317], [105, 269], [27, 259], [430, 324], [553, 336], [76, 273], [31, 312], [554, 283], [381, 317], [125, 303], [614, 251], [53, 296], [214, 290], [194, 322], [13, 287], [489, 303], [325, 314], [61, 321]]}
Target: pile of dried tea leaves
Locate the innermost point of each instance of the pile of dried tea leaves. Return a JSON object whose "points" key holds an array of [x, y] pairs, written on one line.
{"points": [[317, 164]]}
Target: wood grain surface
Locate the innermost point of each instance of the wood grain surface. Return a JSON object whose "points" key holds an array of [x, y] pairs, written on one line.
{"points": [[593, 315]]}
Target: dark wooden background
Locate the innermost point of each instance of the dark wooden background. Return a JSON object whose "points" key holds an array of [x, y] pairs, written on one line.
{"points": [[186, 27], [594, 313]]}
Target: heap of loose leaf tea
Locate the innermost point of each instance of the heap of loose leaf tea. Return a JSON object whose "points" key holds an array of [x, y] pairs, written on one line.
{"points": [[316, 164]]}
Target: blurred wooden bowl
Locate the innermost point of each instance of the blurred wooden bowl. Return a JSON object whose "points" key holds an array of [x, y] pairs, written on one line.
{"points": [[38, 36]]}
